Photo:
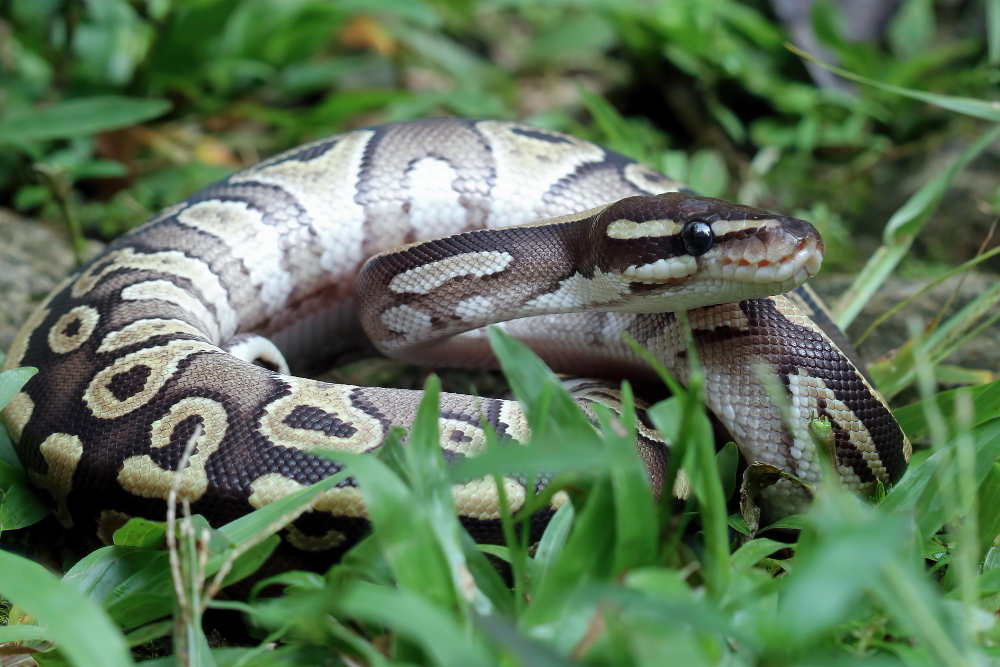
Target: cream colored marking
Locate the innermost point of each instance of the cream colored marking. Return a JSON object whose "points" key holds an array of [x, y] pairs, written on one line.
{"points": [[435, 207], [108, 522], [141, 476], [142, 330], [62, 453], [629, 229], [17, 414], [559, 499], [474, 308], [412, 323], [339, 501], [15, 355], [463, 446], [255, 347], [162, 361], [256, 244], [332, 399], [681, 266], [649, 180], [805, 393], [427, 277], [517, 423], [579, 292], [479, 498], [173, 262], [723, 315], [164, 290], [325, 188], [61, 343], [723, 227], [527, 168]]}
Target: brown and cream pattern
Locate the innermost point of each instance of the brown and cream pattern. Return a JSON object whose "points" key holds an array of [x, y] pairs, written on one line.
{"points": [[188, 326]]}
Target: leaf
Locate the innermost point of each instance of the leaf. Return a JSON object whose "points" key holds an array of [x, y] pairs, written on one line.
{"points": [[551, 545], [142, 533], [20, 506], [417, 619], [753, 551], [79, 118], [727, 460], [78, 626], [11, 382], [985, 400], [917, 492]]}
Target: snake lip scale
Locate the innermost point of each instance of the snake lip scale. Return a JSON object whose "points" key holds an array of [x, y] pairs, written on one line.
{"points": [[193, 324]]}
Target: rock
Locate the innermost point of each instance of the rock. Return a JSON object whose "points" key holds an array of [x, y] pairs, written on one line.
{"points": [[33, 259], [982, 352]]}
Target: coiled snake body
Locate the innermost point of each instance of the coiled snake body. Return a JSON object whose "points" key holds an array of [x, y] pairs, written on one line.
{"points": [[188, 322]]}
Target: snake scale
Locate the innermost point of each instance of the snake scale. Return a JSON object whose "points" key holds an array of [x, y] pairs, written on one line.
{"points": [[192, 322]]}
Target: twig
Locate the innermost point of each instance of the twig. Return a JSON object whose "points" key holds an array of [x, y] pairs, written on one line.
{"points": [[184, 616]]}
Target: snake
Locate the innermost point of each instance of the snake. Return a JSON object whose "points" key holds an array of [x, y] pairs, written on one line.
{"points": [[415, 236]]}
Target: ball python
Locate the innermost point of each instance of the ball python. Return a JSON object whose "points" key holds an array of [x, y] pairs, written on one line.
{"points": [[192, 323]]}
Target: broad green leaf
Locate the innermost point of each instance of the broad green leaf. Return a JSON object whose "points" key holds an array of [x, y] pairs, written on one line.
{"points": [[551, 545], [11, 382], [142, 533], [753, 551], [78, 626], [78, 118], [19, 505], [417, 619]]}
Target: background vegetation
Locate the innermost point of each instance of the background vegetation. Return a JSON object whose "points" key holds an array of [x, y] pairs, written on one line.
{"points": [[112, 109]]}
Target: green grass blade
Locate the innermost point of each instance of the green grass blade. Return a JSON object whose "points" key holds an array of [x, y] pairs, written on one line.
{"points": [[963, 105], [11, 382], [993, 31], [79, 627], [918, 491], [415, 618], [79, 118], [900, 232], [985, 403]]}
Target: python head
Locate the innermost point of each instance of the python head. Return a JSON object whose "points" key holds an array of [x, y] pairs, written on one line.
{"points": [[696, 251]]}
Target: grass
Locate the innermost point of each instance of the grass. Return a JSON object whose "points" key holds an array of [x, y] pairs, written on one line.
{"points": [[113, 113]]}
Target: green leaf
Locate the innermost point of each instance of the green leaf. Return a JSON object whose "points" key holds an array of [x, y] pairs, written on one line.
{"points": [[727, 460], [78, 626], [917, 492], [551, 545], [11, 382], [78, 118], [984, 400], [142, 533], [19, 505], [415, 618], [753, 551]]}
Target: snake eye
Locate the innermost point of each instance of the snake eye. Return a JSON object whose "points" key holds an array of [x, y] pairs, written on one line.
{"points": [[698, 238]]}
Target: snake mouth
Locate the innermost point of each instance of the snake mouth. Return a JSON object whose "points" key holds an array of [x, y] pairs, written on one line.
{"points": [[781, 267], [796, 264]]}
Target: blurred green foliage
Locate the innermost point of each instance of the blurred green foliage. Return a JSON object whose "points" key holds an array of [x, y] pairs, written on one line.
{"points": [[113, 109]]}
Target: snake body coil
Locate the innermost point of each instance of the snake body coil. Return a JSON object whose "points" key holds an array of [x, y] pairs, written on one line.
{"points": [[192, 321]]}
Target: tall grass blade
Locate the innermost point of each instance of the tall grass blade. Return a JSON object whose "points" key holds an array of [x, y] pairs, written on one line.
{"points": [[901, 230]]}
